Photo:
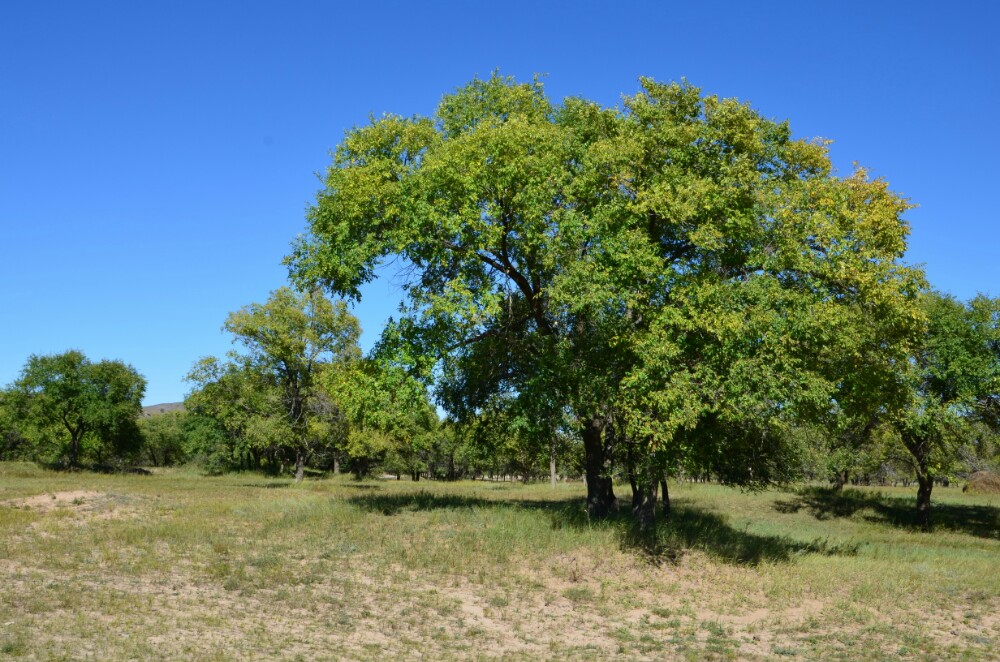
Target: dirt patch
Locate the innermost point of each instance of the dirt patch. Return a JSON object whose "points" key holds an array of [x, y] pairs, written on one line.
{"points": [[52, 500], [86, 503]]}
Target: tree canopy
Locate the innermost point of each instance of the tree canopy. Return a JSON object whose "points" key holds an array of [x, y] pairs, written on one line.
{"points": [[67, 405], [953, 378], [680, 265], [389, 417], [267, 396]]}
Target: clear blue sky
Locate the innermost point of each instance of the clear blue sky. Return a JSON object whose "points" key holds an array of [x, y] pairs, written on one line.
{"points": [[156, 159]]}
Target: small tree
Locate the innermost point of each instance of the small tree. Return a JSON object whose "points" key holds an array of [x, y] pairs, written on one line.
{"points": [[65, 402], [265, 394], [953, 377]]}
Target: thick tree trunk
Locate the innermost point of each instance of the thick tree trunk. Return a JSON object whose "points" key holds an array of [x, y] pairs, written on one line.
{"points": [[600, 495], [300, 466], [840, 480], [336, 464], [924, 486]]}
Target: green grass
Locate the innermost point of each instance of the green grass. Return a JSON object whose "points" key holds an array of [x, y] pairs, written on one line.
{"points": [[180, 566]]}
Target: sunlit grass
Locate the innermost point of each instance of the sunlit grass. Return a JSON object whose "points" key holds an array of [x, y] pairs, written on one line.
{"points": [[177, 565]]}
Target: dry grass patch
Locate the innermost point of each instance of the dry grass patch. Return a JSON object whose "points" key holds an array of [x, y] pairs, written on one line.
{"points": [[983, 482], [242, 567]]}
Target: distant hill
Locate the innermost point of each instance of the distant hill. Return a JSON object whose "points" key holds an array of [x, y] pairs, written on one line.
{"points": [[153, 410]]}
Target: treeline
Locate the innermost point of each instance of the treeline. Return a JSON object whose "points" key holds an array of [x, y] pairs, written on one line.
{"points": [[442, 450], [366, 416], [235, 420]]}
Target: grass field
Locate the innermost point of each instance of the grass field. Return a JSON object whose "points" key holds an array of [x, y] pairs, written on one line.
{"points": [[179, 566]]}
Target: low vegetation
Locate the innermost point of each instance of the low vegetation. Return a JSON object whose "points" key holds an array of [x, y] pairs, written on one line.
{"points": [[180, 566]]}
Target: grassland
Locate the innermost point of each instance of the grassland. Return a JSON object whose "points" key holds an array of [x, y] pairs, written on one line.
{"points": [[180, 566]]}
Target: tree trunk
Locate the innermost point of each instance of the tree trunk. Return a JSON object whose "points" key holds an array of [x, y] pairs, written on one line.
{"points": [[666, 499], [336, 464], [645, 510], [840, 480], [636, 491], [600, 495], [552, 466], [74, 450], [924, 486], [300, 466]]}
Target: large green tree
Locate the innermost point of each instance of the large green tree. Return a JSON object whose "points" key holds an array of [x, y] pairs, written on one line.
{"points": [[267, 395], [66, 403], [679, 266]]}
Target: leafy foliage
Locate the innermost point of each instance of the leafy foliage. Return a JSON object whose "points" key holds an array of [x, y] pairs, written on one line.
{"points": [[266, 400], [953, 379], [164, 438], [679, 269], [69, 408], [391, 422]]}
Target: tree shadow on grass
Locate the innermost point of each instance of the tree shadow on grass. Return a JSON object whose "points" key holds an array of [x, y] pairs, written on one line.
{"points": [[690, 527], [284, 484], [876, 507], [422, 500]]}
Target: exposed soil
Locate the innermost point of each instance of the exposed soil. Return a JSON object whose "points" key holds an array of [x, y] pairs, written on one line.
{"points": [[88, 504]]}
